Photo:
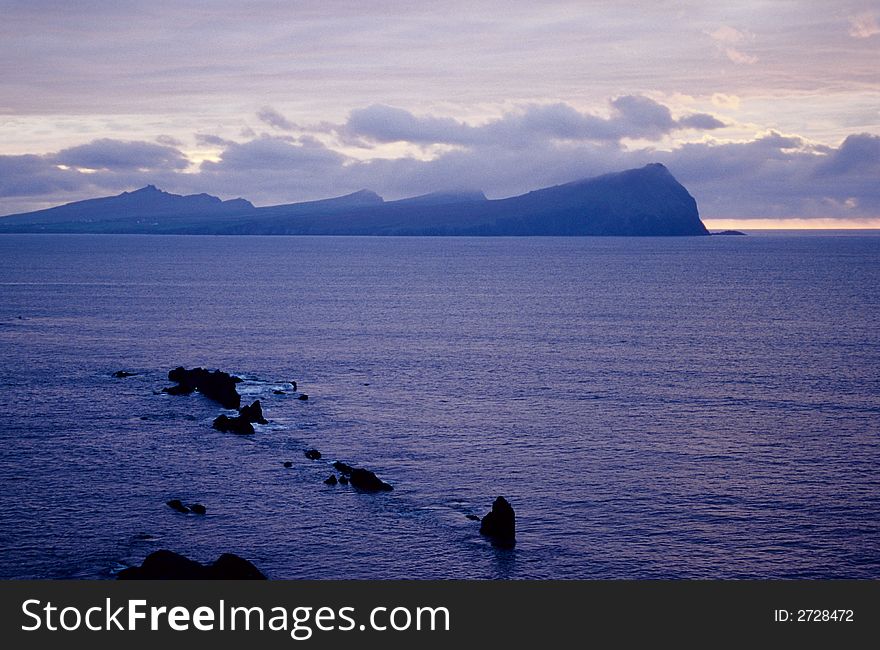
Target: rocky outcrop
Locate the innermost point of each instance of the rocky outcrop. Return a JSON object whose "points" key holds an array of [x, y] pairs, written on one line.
{"points": [[237, 425], [217, 385], [177, 504], [360, 478], [253, 413], [167, 565], [345, 468], [364, 479], [500, 524]]}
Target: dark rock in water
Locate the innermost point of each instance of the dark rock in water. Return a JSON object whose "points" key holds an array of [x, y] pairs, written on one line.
{"points": [[303, 397], [253, 413], [233, 425], [198, 508], [331, 480], [180, 389], [500, 524], [278, 392], [167, 565], [730, 232], [218, 386], [364, 479], [293, 384], [473, 517], [177, 504], [343, 479], [343, 467], [288, 464], [121, 374], [312, 454]]}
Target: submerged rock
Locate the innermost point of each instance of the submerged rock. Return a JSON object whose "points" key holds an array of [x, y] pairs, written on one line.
{"points": [[312, 454], [278, 392], [288, 464], [331, 480], [217, 385], [303, 397], [237, 425], [500, 524], [167, 565], [364, 479], [122, 374], [253, 413], [473, 517], [177, 504], [198, 509]]}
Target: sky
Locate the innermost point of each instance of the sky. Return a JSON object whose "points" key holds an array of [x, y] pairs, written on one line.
{"points": [[767, 111]]}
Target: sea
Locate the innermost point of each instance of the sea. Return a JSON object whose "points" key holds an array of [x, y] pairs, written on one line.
{"points": [[694, 407]]}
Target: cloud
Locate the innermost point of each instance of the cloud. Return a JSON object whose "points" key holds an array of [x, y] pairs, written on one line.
{"points": [[168, 140], [726, 38], [632, 116], [210, 140], [863, 25], [107, 154], [275, 119]]}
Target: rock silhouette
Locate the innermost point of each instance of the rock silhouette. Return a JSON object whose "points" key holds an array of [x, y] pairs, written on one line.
{"points": [[198, 509], [303, 397], [364, 479], [312, 454], [237, 425], [500, 524], [331, 480], [167, 565], [121, 374], [253, 413], [177, 504], [218, 386], [343, 467]]}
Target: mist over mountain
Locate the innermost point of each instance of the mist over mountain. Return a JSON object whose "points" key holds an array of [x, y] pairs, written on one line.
{"points": [[647, 201]]}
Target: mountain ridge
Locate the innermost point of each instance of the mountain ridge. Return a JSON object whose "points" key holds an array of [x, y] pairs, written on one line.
{"points": [[637, 202]]}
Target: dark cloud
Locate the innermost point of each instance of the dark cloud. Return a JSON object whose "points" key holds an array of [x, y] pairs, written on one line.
{"points": [[633, 116], [209, 140], [122, 155], [275, 119]]}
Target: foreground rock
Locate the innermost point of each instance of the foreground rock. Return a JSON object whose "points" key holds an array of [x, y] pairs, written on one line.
{"points": [[217, 385], [237, 425], [167, 565], [500, 524], [253, 413]]}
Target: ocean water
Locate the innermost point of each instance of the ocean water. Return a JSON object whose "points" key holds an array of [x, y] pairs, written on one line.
{"points": [[652, 408]]}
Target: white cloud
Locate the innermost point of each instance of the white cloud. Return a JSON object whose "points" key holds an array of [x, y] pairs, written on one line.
{"points": [[863, 25]]}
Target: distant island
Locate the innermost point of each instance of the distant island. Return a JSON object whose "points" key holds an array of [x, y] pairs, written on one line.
{"points": [[647, 201], [730, 232]]}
